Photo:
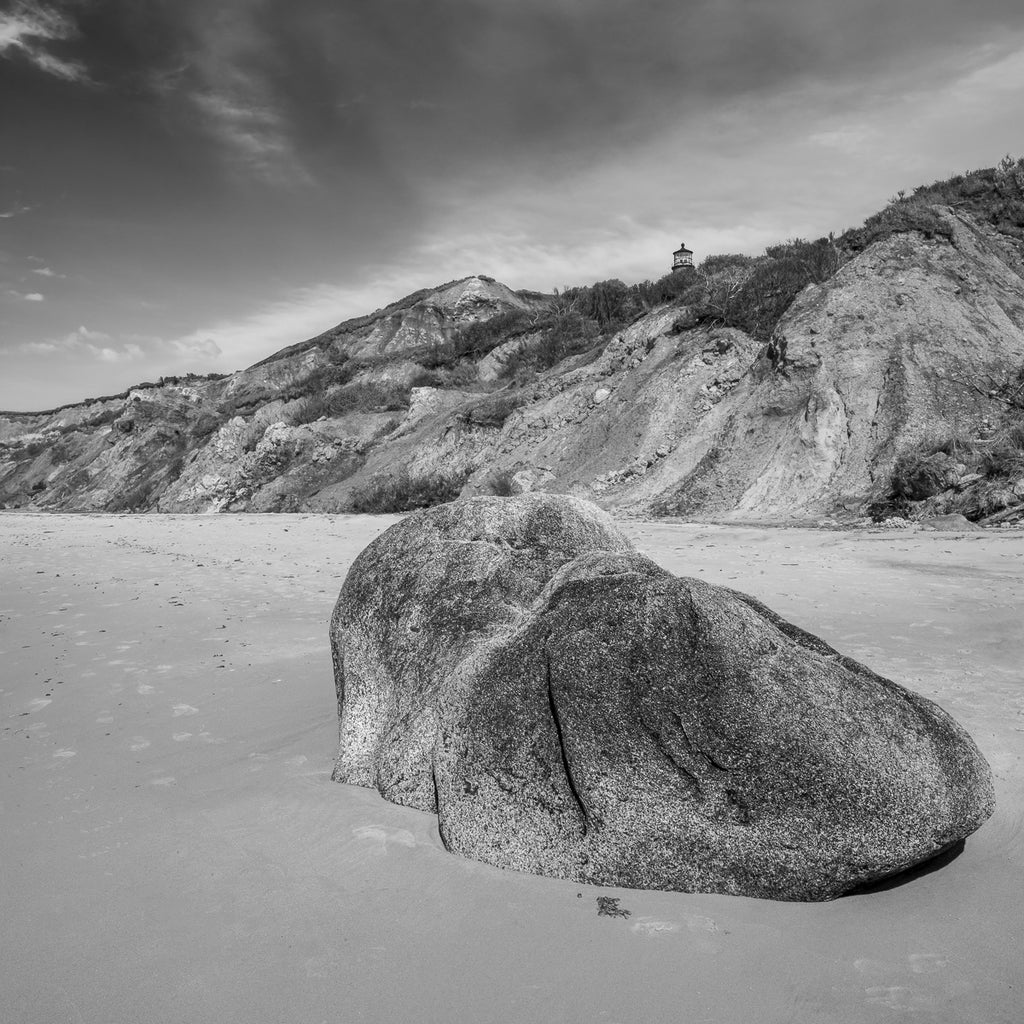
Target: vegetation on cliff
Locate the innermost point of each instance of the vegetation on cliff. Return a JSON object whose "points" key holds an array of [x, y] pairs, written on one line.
{"points": [[978, 473], [472, 364]]}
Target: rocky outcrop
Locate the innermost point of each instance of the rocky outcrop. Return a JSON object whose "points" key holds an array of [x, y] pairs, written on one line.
{"points": [[568, 708]]}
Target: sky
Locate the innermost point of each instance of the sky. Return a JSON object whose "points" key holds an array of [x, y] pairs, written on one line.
{"points": [[194, 184]]}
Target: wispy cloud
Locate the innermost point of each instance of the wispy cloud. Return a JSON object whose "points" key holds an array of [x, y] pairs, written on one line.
{"points": [[29, 296], [46, 272], [195, 347], [253, 134], [15, 211], [29, 29], [226, 80], [93, 344]]}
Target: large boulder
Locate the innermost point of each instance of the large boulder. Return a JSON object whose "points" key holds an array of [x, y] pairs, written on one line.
{"points": [[569, 708]]}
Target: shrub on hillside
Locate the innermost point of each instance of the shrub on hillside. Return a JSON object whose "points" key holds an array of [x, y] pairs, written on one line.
{"points": [[134, 499], [928, 466], [609, 304], [494, 409], [245, 400], [994, 195], [474, 340], [207, 423], [753, 294], [562, 332], [674, 287], [324, 377], [33, 449], [976, 476], [1002, 455], [99, 419], [899, 217], [318, 381], [499, 482], [463, 375], [371, 396], [405, 491]]}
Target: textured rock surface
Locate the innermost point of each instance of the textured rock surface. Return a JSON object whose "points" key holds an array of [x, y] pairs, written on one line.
{"points": [[569, 708], [442, 586]]}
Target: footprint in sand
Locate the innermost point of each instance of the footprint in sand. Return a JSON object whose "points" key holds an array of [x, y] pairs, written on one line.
{"points": [[893, 985], [926, 963], [378, 834], [872, 968], [648, 926], [699, 923], [183, 709], [897, 998], [138, 743]]}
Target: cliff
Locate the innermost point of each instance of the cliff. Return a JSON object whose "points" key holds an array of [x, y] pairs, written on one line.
{"points": [[678, 407]]}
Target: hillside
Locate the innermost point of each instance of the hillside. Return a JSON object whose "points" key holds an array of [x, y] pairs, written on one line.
{"points": [[877, 372]]}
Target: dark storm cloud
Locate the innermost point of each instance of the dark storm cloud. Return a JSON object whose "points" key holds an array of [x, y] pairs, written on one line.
{"points": [[413, 89], [311, 89], [442, 84]]}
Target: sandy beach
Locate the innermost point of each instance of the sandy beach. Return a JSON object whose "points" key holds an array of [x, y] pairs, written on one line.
{"points": [[172, 849]]}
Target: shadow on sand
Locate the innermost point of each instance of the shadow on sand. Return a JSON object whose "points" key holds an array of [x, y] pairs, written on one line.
{"points": [[911, 874]]}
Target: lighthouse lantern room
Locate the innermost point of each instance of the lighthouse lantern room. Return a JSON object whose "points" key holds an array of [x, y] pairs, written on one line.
{"points": [[682, 258]]}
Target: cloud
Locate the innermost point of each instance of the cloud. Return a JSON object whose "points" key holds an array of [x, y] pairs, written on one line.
{"points": [[112, 355], [15, 211], [29, 28], [39, 347], [31, 296], [253, 134], [46, 272], [196, 347], [93, 344], [226, 80]]}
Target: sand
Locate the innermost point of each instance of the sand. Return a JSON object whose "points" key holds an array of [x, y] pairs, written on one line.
{"points": [[172, 849]]}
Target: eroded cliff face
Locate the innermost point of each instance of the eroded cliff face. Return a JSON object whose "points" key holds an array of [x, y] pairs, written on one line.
{"points": [[660, 418], [252, 440], [887, 352]]}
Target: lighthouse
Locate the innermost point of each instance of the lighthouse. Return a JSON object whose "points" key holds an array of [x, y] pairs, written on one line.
{"points": [[682, 258]]}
